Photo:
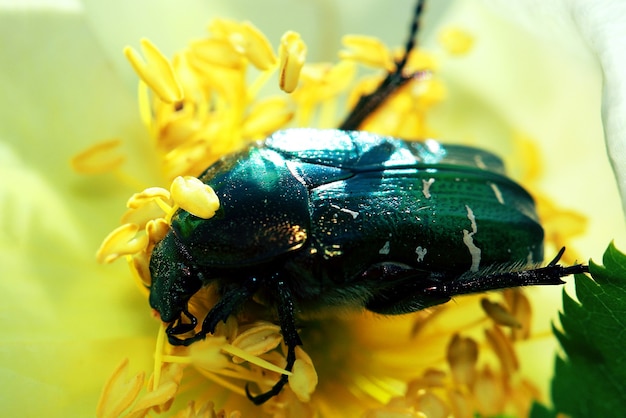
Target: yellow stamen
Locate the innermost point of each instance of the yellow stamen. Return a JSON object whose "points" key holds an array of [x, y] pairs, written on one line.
{"points": [[255, 87], [266, 117], [456, 41], [223, 382], [504, 349], [152, 203], [519, 305], [430, 378], [99, 158], [247, 40], [489, 393], [320, 85], [156, 71], [142, 215], [258, 49], [159, 396], [304, 379], [194, 196], [209, 355], [139, 268], [462, 356], [217, 52], [460, 404], [432, 406], [120, 242], [156, 230], [119, 393], [158, 356], [259, 339], [292, 54], [149, 194], [145, 109], [235, 351], [367, 50], [499, 314]]}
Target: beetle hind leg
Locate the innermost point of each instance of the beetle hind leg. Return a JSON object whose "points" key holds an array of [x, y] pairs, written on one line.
{"points": [[287, 320], [551, 274]]}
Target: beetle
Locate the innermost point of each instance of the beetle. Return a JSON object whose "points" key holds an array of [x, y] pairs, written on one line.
{"points": [[311, 219]]}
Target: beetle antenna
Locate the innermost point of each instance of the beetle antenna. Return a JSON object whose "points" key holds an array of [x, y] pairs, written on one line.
{"points": [[368, 103]]}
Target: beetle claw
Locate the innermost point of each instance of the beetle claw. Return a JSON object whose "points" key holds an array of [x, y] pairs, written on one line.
{"points": [[287, 319], [178, 327], [278, 386]]}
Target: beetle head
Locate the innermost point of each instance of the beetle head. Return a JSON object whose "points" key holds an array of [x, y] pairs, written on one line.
{"points": [[174, 278]]}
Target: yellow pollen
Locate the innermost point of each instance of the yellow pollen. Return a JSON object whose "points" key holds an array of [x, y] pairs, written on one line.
{"points": [[156, 71], [499, 314], [367, 50], [122, 241], [456, 41], [102, 157], [194, 196], [292, 53]]}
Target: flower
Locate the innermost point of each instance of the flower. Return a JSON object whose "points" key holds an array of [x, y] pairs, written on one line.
{"points": [[68, 321]]}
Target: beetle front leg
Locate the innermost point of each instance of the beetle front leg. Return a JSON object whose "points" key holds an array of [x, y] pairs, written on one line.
{"points": [[287, 318], [231, 299], [179, 327]]}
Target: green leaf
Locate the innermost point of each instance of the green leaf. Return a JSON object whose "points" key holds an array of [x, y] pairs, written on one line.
{"points": [[590, 380], [541, 411]]}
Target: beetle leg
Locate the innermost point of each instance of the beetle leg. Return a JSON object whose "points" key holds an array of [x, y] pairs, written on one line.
{"points": [[231, 299], [179, 327], [398, 288], [480, 282], [287, 319], [368, 103]]}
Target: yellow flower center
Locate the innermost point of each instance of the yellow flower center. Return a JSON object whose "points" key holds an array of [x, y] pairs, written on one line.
{"points": [[200, 106]]}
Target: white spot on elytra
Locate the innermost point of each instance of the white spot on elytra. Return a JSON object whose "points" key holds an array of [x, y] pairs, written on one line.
{"points": [[345, 210], [468, 240], [421, 252], [497, 192], [385, 249], [426, 187], [479, 162], [294, 172]]}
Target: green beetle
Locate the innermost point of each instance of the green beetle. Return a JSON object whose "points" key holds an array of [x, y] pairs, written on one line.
{"points": [[311, 219]]}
